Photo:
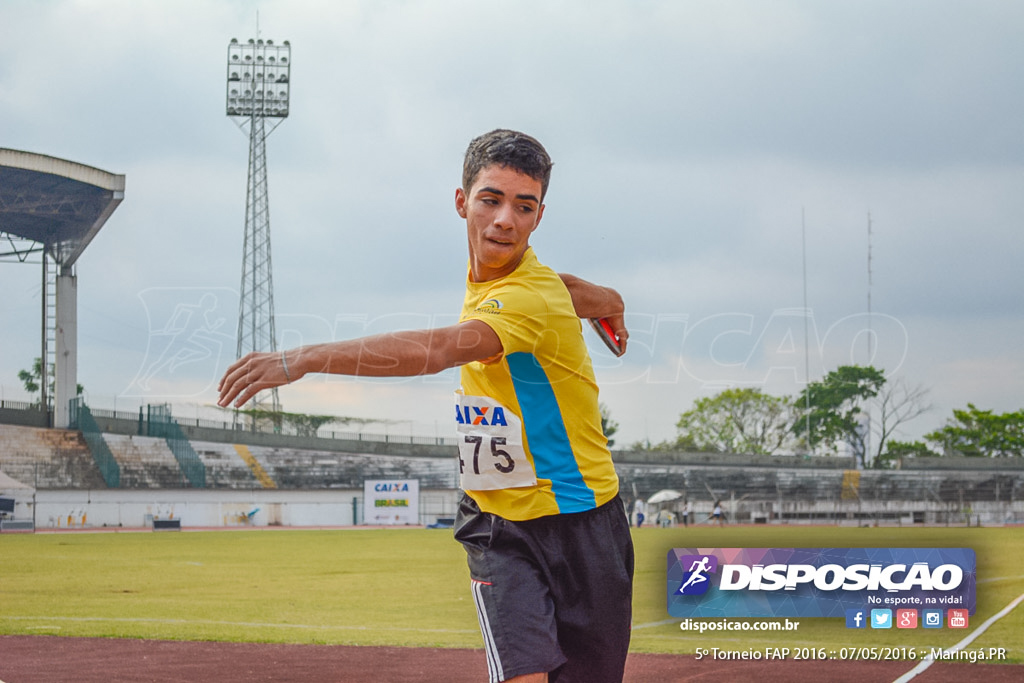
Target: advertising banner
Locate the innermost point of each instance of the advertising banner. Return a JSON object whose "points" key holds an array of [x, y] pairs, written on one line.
{"points": [[391, 501]]}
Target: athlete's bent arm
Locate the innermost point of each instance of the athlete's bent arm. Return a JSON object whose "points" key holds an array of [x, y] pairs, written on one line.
{"points": [[396, 354], [594, 301]]}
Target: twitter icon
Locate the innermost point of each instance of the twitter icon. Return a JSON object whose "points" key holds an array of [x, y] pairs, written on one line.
{"points": [[881, 618]]}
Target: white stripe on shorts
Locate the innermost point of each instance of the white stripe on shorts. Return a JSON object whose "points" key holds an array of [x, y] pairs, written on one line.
{"points": [[493, 659]]}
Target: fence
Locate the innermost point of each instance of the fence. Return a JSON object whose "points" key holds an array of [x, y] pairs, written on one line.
{"points": [[83, 420], [267, 427], [162, 425], [18, 405]]}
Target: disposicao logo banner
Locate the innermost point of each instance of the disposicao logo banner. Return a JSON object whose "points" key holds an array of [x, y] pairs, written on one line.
{"points": [[817, 582]]}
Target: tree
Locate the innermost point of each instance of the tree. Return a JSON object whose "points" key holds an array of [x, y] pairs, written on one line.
{"points": [[903, 449], [683, 443], [738, 420], [608, 425], [981, 433], [304, 425], [834, 410], [33, 380], [896, 404]]}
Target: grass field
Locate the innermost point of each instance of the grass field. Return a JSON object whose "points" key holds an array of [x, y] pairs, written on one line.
{"points": [[410, 587]]}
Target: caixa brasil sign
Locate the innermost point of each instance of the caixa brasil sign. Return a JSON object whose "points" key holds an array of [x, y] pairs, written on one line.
{"points": [[816, 582]]}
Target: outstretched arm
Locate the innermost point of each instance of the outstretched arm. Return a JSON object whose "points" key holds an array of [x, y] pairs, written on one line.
{"points": [[595, 301], [397, 354]]}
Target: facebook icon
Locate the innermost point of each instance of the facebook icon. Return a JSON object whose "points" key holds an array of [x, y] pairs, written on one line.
{"points": [[856, 618]]}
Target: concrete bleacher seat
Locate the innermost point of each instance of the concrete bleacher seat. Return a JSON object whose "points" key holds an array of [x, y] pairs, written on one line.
{"points": [[295, 468], [224, 467], [146, 462], [57, 459], [48, 458]]}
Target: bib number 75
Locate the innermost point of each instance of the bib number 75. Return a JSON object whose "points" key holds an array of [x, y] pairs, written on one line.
{"points": [[503, 461]]}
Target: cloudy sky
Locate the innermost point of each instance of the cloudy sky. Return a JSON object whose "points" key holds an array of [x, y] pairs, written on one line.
{"points": [[694, 144]]}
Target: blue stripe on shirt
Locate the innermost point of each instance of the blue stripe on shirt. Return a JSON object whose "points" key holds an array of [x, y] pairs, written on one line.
{"points": [[546, 434]]}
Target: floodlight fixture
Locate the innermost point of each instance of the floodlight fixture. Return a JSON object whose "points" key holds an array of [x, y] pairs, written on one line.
{"points": [[252, 64]]}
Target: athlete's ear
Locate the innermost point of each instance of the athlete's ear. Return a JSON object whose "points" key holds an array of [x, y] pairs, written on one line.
{"points": [[460, 202], [540, 214]]}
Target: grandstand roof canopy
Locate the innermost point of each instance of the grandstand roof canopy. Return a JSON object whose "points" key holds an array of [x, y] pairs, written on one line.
{"points": [[57, 203]]}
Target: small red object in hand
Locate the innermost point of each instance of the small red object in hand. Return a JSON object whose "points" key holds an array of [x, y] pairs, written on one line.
{"points": [[607, 334]]}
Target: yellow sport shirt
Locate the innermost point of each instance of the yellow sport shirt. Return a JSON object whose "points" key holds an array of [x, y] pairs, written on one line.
{"points": [[537, 404]]}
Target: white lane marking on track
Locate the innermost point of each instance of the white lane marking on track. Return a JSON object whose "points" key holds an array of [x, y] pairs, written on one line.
{"points": [[137, 620], [1000, 578], [928, 661]]}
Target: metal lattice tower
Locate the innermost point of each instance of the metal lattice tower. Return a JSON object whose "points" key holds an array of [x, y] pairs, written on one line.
{"points": [[258, 88], [48, 355]]}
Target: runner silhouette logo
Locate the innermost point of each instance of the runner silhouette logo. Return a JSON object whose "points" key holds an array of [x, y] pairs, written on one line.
{"points": [[697, 578]]}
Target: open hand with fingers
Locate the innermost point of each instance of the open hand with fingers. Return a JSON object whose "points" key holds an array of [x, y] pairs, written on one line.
{"points": [[251, 374]]}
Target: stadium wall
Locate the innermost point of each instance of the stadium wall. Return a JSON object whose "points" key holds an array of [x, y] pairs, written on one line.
{"points": [[197, 508], [24, 414]]}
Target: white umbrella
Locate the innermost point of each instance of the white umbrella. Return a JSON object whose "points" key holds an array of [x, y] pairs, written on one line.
{"points": [[664, 496]]}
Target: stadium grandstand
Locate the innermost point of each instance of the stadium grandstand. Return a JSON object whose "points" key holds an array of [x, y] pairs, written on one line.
{"points": [[121, 469]]}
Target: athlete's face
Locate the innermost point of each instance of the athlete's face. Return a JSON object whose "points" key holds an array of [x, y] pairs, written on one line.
{"points": [[501, 209]]}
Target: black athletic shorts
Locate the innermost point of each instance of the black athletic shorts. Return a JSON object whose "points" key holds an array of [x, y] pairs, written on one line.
{"points": [[552, 594]]}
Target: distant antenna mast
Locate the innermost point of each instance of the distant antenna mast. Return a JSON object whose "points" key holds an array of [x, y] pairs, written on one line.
{"points": [[871, 354], [871, 336], [807, 343]]}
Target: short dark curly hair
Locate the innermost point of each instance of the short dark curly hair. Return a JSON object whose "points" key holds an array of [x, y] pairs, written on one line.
{"points": [[508, 149]]}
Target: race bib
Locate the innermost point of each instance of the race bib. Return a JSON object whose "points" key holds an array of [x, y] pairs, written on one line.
{"points": [[491, 453]]}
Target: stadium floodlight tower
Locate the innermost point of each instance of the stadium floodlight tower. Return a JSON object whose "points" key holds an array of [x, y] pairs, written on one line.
{"points": [[258, 88]]}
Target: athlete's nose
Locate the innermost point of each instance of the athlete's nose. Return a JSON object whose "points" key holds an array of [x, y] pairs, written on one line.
{"points": [[504, 217]]}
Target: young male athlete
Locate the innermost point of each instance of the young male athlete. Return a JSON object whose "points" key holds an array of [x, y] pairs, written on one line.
{"points": [[546, 537]]}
